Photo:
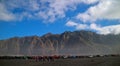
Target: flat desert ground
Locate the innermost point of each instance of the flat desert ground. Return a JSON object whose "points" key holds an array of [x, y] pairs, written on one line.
{"points": [[97, 61]]}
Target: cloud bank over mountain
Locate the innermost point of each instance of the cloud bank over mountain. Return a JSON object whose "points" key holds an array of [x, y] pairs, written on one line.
{"points": [[105, 9]]}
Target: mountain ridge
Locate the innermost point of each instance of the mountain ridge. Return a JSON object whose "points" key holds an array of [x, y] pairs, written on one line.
{"points": [[73, 43]]}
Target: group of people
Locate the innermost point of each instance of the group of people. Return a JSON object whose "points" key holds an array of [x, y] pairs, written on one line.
{"points": [[52, 58], [45, 58]]}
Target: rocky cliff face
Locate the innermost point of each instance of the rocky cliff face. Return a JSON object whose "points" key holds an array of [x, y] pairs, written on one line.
{"points": [[73, 43]]}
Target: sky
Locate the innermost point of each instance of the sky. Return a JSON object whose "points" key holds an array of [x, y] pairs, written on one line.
{"points": [[19, 18]]}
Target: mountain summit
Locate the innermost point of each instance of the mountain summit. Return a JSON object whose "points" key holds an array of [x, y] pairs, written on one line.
{"points": [[67, 43]]}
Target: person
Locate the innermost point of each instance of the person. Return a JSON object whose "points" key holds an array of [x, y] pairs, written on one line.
{"points": [[36, 58], [40, 58], [25, 57]]}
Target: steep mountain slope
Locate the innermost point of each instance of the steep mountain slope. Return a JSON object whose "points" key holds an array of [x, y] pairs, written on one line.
{"points": [[74, 43]]}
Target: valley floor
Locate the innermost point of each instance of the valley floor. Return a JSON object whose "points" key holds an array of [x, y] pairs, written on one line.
{"points": [[97, 61]]}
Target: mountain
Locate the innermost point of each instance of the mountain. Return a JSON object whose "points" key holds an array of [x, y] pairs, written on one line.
{"points": [[67, 43]]}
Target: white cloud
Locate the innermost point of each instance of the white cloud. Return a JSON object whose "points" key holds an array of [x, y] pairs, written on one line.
{"points": [[5, 15], [90, 1], [49, 10], [81, 26], [71, 23], [76, 25], [105, 9], [94, 26], [58, 8], [113, 29], [55, 9]]}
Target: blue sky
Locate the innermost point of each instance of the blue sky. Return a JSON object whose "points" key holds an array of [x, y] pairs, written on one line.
{"points": [[38, 17]]}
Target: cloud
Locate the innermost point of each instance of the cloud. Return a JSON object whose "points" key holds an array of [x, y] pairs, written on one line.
{"points": [[90, 1], [12, 10], [105, 9], [58, 8], [55, 9], [5, 15], [94, 26], [51, 10], [76, 25], [112, 29], [48, 10], [81, 26], [71, 23]]}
